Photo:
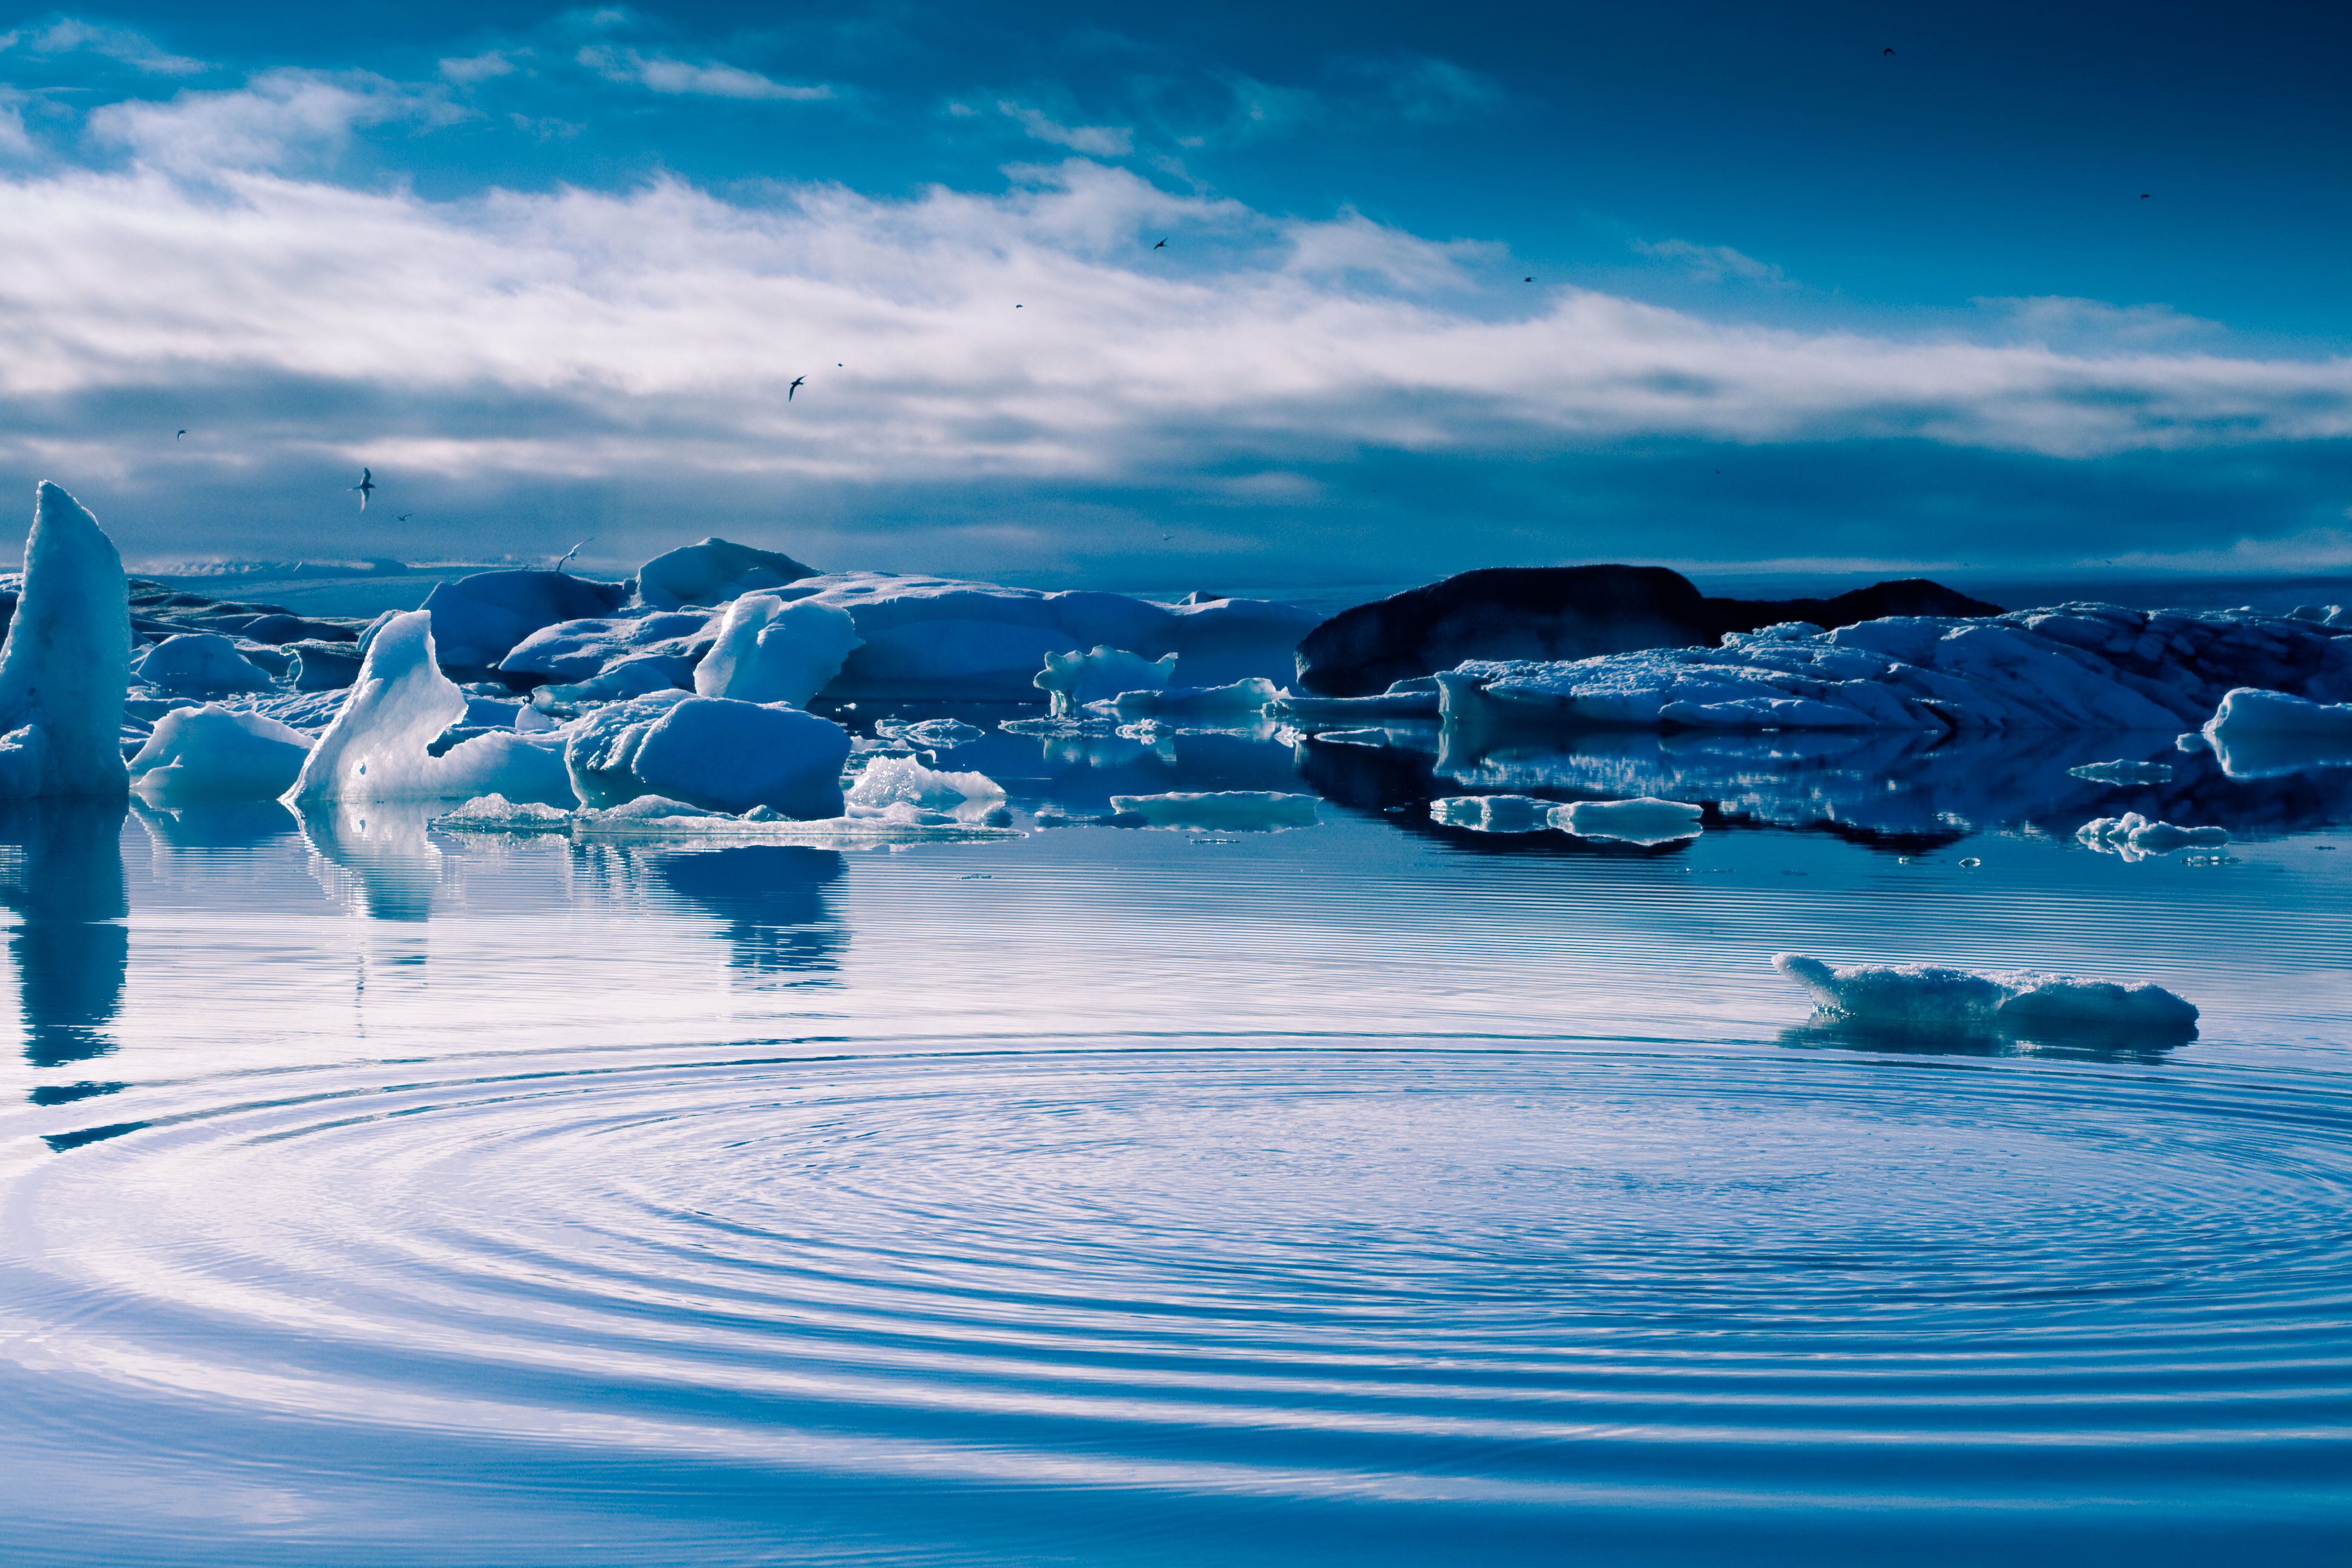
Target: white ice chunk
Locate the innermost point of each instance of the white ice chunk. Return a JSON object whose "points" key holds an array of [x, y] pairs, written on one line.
{"points": [[712, 572], [215, 753], [1914, 995], [479, 620], [1075, 680], [199, 662], [379, 747], [1242, 697], [2247, 711], [1492, 813], [772, 651], [496, 814], [937, 735], [2123, 772], [646, 808], [2136, 837], [618, 682], [893, 781], [1647, 820], [714, 752], [1231, 810], [67, 662]]}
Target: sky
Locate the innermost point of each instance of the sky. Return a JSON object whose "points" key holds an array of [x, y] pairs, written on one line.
{"points": [[1827, 287]]}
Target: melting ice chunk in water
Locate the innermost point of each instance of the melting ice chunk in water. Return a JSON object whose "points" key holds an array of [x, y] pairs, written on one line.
{"points": [[496, 814], [66, 662], [2136, 837], [1647, 820], [1242, 697], [936, 735], [2263, 734], [2018, 1000], [211, 753], [712, 751], [1492, 813], [1234, 810], [902, 781], [1075, 680], [2123, 772]]}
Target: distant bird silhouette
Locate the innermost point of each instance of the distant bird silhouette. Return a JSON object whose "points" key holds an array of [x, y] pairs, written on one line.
{"points": [[181, 433], [2145, 194], [1161, 245], [575, 549], [795, 386], [366, 487], [1526, 279], [403, 517], [1883, 53]]}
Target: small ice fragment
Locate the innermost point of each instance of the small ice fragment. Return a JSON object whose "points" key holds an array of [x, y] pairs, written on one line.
{"points": [[937, 735], [199, 662], [2123, 772], [1074, 680], [1243, 697], [1645, 820], [2021, 999], [1494, 813], [496, 814], [647, 808], [1970, 864], [889, 781], [1232, 810], [2136, 837]]}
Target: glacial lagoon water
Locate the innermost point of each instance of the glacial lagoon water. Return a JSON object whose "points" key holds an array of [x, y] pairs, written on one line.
{"points": [[1372, 1193]]}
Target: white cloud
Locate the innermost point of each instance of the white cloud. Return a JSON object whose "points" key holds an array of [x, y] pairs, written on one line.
{"points": [[2096, 324], [711, 80], [1097, 141], [279, 118], [1426, 90], [651, 334], [1710, 263], [478, 67], [134, 49]]}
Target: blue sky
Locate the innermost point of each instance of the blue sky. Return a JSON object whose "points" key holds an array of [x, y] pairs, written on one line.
{"points": [[1442, 287]]}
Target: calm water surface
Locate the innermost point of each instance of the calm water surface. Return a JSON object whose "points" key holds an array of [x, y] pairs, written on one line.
{"points": [[1371, 1193]]}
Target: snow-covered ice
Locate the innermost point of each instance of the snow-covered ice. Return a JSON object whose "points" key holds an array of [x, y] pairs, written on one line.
{"points": [[380, 745], [1918, 996], [199, 663], [714, 752], [892, 781], [215, 753], [767, 650], [1645, 820], [1072, 680], [1231, 810], [67, 663]]}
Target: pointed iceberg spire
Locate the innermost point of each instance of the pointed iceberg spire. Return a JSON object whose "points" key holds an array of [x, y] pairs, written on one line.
{"points": [[67, 662]]}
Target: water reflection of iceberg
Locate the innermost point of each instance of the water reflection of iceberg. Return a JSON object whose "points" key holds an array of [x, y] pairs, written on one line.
{"points": [[64, 882], [772, 897], [376, 855]]}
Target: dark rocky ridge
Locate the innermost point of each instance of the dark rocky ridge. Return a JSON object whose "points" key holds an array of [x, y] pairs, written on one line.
{"points": [[1565, 613]]}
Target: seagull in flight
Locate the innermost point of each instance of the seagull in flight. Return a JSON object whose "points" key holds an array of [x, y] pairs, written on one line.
{"points": [[1161, 245], [366, 487], [590, 539], [182, 435], [403, 517], [795, 386], [1883, 53]]}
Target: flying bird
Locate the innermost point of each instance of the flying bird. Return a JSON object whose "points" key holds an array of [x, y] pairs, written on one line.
{"points": [[403, 517], [366, 487], [795, 386], [1883, 53], [1161, 245], [1526, 279], [2145, 194], [179, 437], [576, 550]]}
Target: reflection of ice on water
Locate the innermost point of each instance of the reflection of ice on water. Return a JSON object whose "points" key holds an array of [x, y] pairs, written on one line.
{"points": [[63, 882]]}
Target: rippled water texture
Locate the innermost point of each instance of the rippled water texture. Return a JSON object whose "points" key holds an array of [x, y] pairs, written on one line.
{"points": [[1371, 1193]]}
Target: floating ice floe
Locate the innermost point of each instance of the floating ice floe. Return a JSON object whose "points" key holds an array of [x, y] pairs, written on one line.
{"points": [[1411, 698], [2124, 773], [1492, 813], [212, 752], [199, 663], [1647, 820], [767, 650], [382, 745], [2075, 667], [656, 817], [1241, 700], [496, 814], [2135, 837], [714, 752], [2263, 734], [934, 734], [67, 663], [1073, 680], [1231, 810], [894, 781], [2020, 1000]]}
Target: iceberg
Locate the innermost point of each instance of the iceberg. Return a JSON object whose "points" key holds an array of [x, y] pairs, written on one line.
{"points": [[1647, 820], [67, 662], [2265, 735], [711, 752], [380, 745], [893, 781], [1074, 680], [1231, 810], [478, 620], [770, 652], [935, 734], [212, 752], [2020, 1000], [572, 651], [712, 572], [1242, 699], [199, 662], [496, 814]]}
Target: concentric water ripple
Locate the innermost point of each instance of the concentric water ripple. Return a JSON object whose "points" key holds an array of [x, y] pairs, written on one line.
{"points": [[1570, 1280]]}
